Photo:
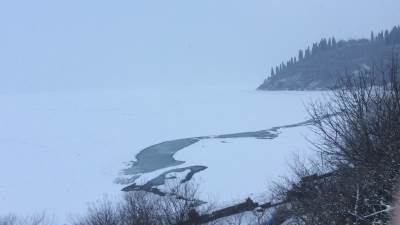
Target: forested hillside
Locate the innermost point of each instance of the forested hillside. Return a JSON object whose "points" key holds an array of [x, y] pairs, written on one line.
{"points": [[318, 67]]}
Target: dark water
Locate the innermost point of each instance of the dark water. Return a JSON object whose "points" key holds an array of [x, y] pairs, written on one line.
{"points": [[161, 155]]}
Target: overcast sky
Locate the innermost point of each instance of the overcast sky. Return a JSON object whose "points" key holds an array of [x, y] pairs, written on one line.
{"points": [[81, 44]]}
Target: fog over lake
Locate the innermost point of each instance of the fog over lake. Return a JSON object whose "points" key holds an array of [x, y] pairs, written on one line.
{"points": [[101, 97]]}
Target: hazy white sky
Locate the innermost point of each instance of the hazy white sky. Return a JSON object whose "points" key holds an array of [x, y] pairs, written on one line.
{"points": [[47, 44]]}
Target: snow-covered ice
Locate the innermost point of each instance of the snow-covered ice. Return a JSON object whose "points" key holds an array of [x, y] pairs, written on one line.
{"points": [[61, 150], [240, 167]]}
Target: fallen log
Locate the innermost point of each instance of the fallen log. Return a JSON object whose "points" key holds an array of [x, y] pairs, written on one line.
{"points": [[247, 206]]}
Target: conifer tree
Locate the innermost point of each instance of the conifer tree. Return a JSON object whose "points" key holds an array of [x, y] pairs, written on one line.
{"points": [[395, 37], [314, 48], [380, 36], [372, 37], [307, 52], [386, 37], [334, 42], [323, 44], [301, 55]]}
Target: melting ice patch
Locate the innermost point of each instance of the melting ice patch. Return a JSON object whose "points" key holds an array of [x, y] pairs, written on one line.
{"points": [[155, 164]]}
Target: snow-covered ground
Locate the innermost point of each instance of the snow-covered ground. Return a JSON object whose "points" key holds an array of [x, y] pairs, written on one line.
{"points": [[61, 150], [238, 168]]}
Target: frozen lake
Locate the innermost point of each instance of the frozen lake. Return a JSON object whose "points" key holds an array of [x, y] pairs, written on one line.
{"points": [[61, 150]]}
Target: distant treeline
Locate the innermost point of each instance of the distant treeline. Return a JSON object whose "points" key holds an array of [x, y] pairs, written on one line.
{"points": [[386, 37]]}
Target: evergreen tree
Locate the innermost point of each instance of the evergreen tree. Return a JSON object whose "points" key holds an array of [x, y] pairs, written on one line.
{"points": [[386, 37], [391, 36], [323, 44], [372, 37], [334, 42], [380, 36], [307, 52], [314, 49], [301, 55], [320, 45], [395, 35], [272, 72]]}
